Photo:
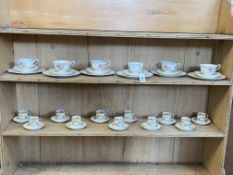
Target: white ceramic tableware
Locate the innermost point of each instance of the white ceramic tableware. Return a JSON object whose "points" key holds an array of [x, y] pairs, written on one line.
{"points": [[118, 124], [63, 65], [186, 121], [169, 66], [181, 127], [129, 116], [23, 116], [34, 123], [135, 67], [201, 119], [89, 71], [152, 121], [54, 73], [167, 118], [76, 123], [61, 116], [128, 74], [209, 69], [100, 117], [26, 63], [206, 77], [201, 116], [151, 124], [99, 65]]}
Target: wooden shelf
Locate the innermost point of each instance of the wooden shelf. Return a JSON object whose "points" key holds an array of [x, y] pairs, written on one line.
{"points": [[82, 79], [113, 169], [54, 129], [107, 33]]}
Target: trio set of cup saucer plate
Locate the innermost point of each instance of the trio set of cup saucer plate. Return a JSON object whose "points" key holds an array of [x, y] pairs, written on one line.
{"points": [[98, 67]]}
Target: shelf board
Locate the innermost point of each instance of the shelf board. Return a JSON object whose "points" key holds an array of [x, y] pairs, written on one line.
{"points": [[113, 169], [54, 129], [82, 79], [108, 33]]}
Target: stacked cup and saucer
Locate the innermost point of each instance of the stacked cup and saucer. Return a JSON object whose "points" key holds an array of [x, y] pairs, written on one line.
{"points": [[23, 116], [62, 68], [61, 116], [201, 119], [129, 116], [118, 124], [152, 124], [135, 70], [100, 117], [208, 72], [76, 123], [169, 69], [185, 124], [34, 123], [26, 66], [167, 118], [98, 68]]}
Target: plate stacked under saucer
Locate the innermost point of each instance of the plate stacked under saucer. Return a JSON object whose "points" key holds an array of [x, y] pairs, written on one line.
{"points": [[201, 76], [177, 73], [90, 71], [115, 127], [181, 127], [126, 73], [202, 123], [148, 127], [54, 73], [80, 126], [17, 70]]}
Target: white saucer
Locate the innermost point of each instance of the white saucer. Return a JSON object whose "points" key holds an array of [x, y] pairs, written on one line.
{"points": [[53, 73], [177, 73], [82, 125], [185, 128], [86, 72], [134, 119], [200, 74], [194, 75], [207, 121], [94, 119], [90, 70], [126, 73], [20, 121], [28, 127], [56, 120], [165, 122], [25, 72], [147, 127], [114, 127]]}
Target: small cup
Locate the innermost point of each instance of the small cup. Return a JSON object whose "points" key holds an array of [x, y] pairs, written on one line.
{"points": [[201, 116], [34, 121], [128, 114], [76, 120], [119, 121], [152, 121], [186, 121], [23, 114], [169, 66], [209, 69], [101, 115], [26, 63], [99, 65], [167, 116], [63, 65], [135, 67], [60, 114]]}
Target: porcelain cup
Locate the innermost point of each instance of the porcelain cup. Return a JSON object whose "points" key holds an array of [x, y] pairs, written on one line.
{"points": [[135, 67], [167, 116], [101, 115], [76, 120], [99, 65], [34, 121], [23, 114], [209, 69], [186, 121], [63, 65], [128, 114], [26, 63], [169, 66], [119, 121], [201, 116], [152, 121], [60, 114]]}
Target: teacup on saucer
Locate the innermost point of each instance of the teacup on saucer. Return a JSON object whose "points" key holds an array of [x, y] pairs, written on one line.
{"points": [[118, 124], [135, 67], [185, 124], [169, 67], [151, 124], [23, 116], [99, 65], [100, 117], [129, 116], [76, 123], [209, 69], [201, 119], [63, 66], [60, 117], [34, 123], [167, 118], [26, 64]]}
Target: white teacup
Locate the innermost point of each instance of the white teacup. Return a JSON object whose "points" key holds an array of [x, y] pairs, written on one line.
{"points": [[26, 63], [152, 121], [169, 66], [201, 116], [23, 114], [60, 114], [128, 114], [135, 67], [119, 121], [76, 120], [186, 121], [99, 65], [209, 69], [101, 115], [167, 116], [34, 121], [63, 65]]}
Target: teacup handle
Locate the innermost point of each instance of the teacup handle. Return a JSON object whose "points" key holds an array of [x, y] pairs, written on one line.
{"points": [[72, 63], [36, 62], [219, 66]]}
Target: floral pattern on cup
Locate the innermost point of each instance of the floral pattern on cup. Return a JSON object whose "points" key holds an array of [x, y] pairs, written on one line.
{"points": [[101, 115], [99, 65], [34, 121], [23, 114], [119, 121], [76, 120], [201, 117], [167, 116], [186, 121], [152, 121], [63, 65], [128, 114], [26, 63], [135, 67], [209, 69], [169, 66], [61, 114]]}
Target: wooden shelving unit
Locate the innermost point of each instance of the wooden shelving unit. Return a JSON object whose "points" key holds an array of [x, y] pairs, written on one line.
{"points": [[189, 32]]}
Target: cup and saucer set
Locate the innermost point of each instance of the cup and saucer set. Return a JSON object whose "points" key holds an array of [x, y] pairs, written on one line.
{"points": [[152, 124], [100, 117], [119, 124], [185, 124], [208, 72], [98, 68], [169, 69], [76, 123], [135, 70], [61, 116], [26, 66], [201, 119], [167, 118], [62, 69]]}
